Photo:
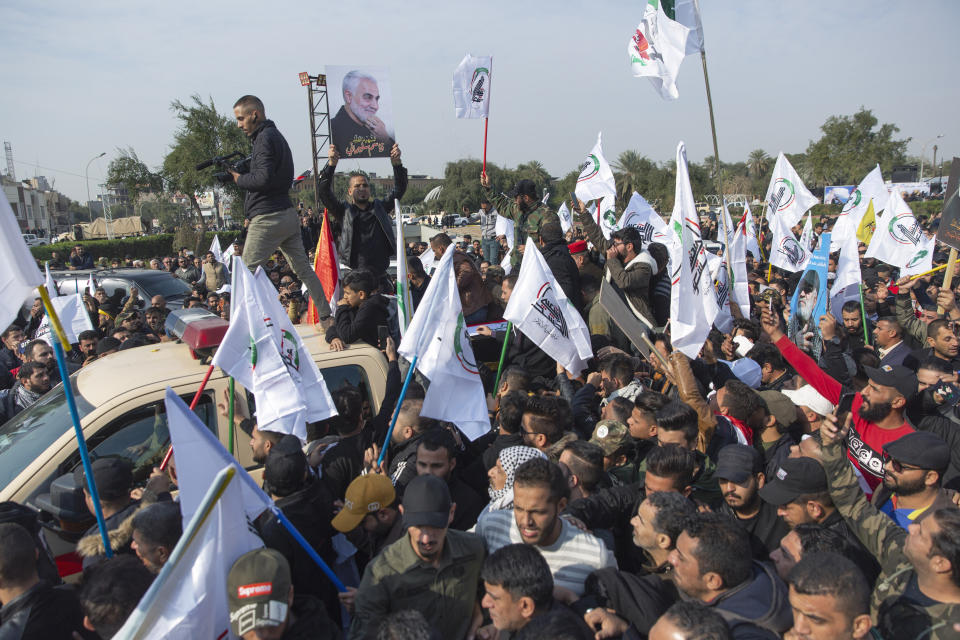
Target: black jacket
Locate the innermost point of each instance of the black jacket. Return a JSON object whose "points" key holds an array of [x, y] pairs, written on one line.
{"points": [[310, 510], [8, 403], [310, 620], [271, 172], [758, 609], [856, 552], [766, 529], [342, 214], [565, 270], [361, 323], [43, 612], [8, 359]]}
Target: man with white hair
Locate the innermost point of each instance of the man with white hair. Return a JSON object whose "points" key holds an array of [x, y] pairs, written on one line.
{"points": [[813, 405], [357, 130]]}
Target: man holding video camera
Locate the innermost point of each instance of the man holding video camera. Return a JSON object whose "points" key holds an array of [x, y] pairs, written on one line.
{"points": [[273, 221]]}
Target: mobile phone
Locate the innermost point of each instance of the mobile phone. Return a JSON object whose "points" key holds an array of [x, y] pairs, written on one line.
{"points": [[948, 392], [573, 198], [382, 337], [845, 404]]}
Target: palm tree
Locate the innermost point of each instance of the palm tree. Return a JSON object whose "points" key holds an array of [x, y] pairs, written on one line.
{"points": [[758, 163], [631, 172]]}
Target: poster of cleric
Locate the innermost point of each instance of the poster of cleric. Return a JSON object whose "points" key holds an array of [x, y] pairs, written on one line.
{"points": [[362, 104], [809, 302]]}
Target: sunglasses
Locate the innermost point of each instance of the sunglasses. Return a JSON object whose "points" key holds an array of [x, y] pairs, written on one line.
{"points": [[898, 466]]}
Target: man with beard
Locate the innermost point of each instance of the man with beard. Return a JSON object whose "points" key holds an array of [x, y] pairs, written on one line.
{"points": [[807, 301], [913, 478], [42, 353], [740, 474], [433, 569], [33, 380], [853, 329], [527, 212], [877, 411], [260, 441]]}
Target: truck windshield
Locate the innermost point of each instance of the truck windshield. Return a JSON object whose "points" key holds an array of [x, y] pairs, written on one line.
{"points": [[28, 434]]}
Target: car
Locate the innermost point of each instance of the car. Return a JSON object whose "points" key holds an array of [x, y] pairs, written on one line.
{"points": [[150, 282], [119, 399], [33, 240], [459, 221]]}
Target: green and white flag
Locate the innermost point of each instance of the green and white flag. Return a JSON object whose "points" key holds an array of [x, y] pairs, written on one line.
{"points": [[786, 252], [566, 218], [438, 337], [596, 182], [870, 188], [693, 299], [404, 300], [787, 197], [471, 86], [648, 222], [897, 240], [657, 49]]}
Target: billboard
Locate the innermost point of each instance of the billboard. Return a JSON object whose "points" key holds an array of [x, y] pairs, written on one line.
{"points": [[838, 194]]}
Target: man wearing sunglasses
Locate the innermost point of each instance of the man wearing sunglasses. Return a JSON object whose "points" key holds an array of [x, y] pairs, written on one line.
{"points": [[913, 476]]}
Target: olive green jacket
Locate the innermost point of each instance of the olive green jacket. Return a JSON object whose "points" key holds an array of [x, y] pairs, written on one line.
{"points": [[895, 616], [911, 324], [524, 223], [397, 579]]}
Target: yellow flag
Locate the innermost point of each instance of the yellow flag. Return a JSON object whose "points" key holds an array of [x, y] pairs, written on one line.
{"points": [[867, 225]]}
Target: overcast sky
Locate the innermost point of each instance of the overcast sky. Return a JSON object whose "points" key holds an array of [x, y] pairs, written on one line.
{"points": [[82, 78]]}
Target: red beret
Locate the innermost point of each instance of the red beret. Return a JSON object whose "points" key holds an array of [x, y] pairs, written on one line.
{"points": [[577, 247]]}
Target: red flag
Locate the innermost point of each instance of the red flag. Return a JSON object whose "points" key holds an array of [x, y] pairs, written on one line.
{"points": [[327, 267]]}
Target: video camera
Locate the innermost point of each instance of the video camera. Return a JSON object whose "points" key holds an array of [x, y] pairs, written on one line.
{"points": [[223, 163]]}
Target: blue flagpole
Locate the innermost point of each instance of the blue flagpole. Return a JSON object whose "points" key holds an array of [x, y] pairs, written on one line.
{"points": [[282, 519], [82, 445], [396, 410]]}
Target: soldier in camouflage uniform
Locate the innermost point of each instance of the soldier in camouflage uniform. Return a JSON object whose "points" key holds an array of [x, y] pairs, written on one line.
{"points": [[918, 592], [526, 211]]}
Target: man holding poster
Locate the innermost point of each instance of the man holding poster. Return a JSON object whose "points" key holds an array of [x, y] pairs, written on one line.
{"points": [[359, 130]]}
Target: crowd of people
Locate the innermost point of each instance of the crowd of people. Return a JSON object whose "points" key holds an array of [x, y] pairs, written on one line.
{"points": [[756, 491]]}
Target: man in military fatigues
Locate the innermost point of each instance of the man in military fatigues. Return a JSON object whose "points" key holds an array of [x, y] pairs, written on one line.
{"points": [[917, 594], [526, 211]]}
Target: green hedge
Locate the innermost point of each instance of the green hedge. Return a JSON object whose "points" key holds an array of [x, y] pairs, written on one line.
{"points": [[142, 248]]}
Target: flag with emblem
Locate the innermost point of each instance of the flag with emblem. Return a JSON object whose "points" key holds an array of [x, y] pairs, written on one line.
{"points": [[596, 182], [898, 239], [540, 310], [750, 233], [868, 223], [657, 49], [566, 218], [437, 336], [471, 86], [648, 222], [847, 284], [870, 190], [787, 197], [693, 300], [786, 252]]}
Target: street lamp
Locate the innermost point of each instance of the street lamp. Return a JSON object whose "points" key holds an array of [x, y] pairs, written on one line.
{"points": [[923, 154], [86, 174]]}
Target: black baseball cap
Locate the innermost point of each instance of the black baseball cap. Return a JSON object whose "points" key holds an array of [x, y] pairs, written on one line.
{"points": [[113, 476], [107, 344], [258, 588], [794, 478], [920, 449], [286, 466], [426, 502], [737, 462], [900, 378], [523, 188]]}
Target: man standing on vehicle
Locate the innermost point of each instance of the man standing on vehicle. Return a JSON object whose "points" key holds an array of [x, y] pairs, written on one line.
{"points": [[272, 219]]}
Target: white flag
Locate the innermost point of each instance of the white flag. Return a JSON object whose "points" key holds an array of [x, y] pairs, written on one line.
{"points": [[720, 277], [648, 222], [922, 260], [541, 311], [504, 227], [657, 49], [404, 299], [471, 86], [787, 197], [740, 292], [19, 274], [896, 239], [750, 232], [847, 284], [49, 282], [215, 248], [693, 301], [429, 261], [188, 599], [806, 239], [566, 218], [596, 178], [91, 286], [786, 252], [73, 317], [437, 336], [606, 215], [870, 188], [199, 456]]}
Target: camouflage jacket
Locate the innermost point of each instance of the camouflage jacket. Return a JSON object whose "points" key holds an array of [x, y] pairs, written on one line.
{"points": [[524, 223], [896, 616]]}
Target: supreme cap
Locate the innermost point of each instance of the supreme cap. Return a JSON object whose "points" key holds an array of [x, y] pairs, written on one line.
{"points": [[258, 590]]}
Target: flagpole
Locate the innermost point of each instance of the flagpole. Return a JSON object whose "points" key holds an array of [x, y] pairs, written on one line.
{"points": [[863, 316], [926, 273], [486, 121], [58, 349], [948, 276], [230, 412], [503, 355], [193, 404]]}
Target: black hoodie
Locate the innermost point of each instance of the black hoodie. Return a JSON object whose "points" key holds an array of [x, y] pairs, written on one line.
{"points": [[360, 323], [757, 609]]}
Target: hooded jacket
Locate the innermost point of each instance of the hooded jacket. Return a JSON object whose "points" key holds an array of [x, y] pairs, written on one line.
{"points": [[756, 609], [360, 323]]}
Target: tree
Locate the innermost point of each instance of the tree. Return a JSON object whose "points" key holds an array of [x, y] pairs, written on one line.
{"points": [[203, 134], [850, 147], [758, 163], [128, 171], [631, 173]]}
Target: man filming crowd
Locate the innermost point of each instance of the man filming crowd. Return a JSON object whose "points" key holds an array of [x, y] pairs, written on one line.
{"points": [[763, 489]]}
